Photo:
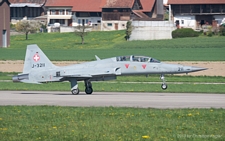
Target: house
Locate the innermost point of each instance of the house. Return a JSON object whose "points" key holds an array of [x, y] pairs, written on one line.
{"points": [[75, 12], [102, 14], [5, 23], [26, 9], [196, 13], [116, 13]]}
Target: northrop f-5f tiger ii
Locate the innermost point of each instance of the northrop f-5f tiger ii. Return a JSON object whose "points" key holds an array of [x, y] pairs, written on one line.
{"points": [[39, 69]]}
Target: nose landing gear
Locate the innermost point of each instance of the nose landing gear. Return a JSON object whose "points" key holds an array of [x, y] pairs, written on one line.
{"points": [[74, 87], [164, 85]]}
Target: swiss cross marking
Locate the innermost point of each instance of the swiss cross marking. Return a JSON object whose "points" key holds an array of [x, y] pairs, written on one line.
{"points": [[144, 66], [36, 57], [126, 65]]}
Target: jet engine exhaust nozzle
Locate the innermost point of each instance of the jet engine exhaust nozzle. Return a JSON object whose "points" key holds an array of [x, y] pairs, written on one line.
{"points": [[18, 78]]}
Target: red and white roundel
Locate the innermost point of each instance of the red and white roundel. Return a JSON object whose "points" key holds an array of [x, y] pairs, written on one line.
{"points": [[36, 57]]}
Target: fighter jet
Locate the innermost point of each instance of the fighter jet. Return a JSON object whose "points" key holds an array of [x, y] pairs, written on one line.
{"points": [[39, 69]]}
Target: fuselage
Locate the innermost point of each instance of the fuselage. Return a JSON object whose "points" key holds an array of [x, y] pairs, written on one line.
{"points": [[39, 69], [107, 69]]}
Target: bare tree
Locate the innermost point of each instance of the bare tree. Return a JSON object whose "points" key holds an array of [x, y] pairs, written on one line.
{"points": [[27, 27], [81, 31]]}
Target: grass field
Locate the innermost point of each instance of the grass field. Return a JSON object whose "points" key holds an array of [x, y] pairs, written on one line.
{"points": [[110, 124], [118, 87], [67, 46]]}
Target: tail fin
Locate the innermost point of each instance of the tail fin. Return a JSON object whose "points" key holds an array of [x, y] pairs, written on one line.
{"points": [[35, 59]]}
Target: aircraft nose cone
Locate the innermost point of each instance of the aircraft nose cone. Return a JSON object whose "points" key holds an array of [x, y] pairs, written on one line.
{"points": [[194, 69]]}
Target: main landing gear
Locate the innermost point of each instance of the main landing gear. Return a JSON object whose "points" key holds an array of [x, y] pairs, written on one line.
{"points": [[88, 87], [75, 90], [164, 85]]}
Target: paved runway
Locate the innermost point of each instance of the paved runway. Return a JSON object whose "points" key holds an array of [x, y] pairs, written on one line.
{"points": [[122, 99]]}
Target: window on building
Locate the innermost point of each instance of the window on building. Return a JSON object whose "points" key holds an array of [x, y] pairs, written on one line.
{"points": [[182, 21], [68, 12], [109, 24], [62, 21], [79, 21], [83, 14], [223, 8], [61, 12], [52, 12]]}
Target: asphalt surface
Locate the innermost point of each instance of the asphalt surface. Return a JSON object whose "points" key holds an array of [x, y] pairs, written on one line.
{"points": [[118, 99]]}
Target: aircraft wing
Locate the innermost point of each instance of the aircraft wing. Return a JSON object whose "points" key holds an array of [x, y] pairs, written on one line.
{"points": [[77, 76], [86, 73], [28, 81]]}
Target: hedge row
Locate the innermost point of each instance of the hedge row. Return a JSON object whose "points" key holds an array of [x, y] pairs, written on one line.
{"points": [[184, 32]]}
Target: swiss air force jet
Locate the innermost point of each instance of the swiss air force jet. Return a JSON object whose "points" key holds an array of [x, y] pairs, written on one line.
{"points": [[39, 69]]}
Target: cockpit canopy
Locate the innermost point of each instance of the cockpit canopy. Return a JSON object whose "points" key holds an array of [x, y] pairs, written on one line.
{"points": [[136, 58]]}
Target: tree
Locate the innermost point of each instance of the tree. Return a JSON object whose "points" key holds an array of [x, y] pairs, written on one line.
{"points": [[128, 30], [27, 27], [81, 31]]}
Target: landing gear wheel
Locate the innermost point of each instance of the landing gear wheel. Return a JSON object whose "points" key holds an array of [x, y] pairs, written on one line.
{"points": [[75, 91], [164, 86], [88, 90], [88, 87]]}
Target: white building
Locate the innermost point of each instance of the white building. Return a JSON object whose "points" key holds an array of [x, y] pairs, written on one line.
{"points": [[73, 13], [195, 14]]}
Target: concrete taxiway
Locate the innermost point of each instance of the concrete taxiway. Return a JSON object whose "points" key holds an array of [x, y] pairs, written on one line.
{"points": [[118, 99]]}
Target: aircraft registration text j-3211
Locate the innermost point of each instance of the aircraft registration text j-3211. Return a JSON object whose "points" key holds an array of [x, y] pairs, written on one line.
{"points": [[39, 69]]}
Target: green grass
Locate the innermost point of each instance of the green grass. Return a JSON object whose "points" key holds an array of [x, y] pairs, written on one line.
{"points": [[117, 87], [173, 78], [66, 46], [7, 75], [110, 124]]}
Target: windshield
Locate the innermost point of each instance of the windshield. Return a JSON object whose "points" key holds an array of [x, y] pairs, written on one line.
{"points": [[152, 60], [135, 58]]}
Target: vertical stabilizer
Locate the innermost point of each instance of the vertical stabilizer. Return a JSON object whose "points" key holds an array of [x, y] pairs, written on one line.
{"points": [[35, 59]]}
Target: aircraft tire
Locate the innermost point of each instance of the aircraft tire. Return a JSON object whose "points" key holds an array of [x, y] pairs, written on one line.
{"points": [[164, 86], [75, 91], [88, 90]]}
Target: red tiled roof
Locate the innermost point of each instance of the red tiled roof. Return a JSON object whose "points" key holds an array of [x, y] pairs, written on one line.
{"points": [[97, 5], [88, 5], [147, 5], [79, 5], [27, 1], [119, 4], [59, 3], [196, 1]]}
